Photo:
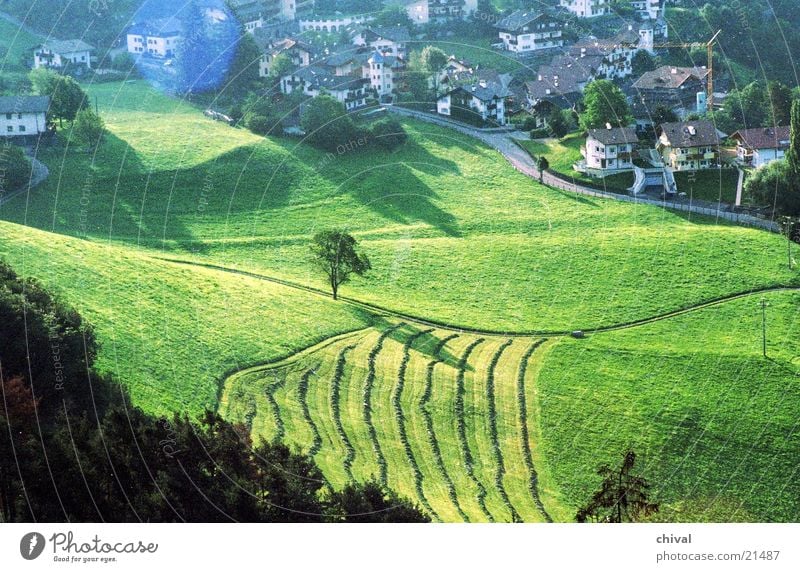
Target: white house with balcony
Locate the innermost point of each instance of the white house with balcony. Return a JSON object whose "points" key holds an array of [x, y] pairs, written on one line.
{"points": [[761, 145], [58, 53], [389, 41], [484, 100], [609, 150], [315, 80], [23, 116], [689, 145], [529, 31], [649, 9], [587, 8]]}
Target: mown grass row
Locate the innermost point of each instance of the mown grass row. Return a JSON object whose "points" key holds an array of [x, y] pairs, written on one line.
{"points": [[269, 392], [336, 380], [368, 385], [401, 425], [431, 432], [533, 482], [462, 427], [498, 454], [302, 395]]}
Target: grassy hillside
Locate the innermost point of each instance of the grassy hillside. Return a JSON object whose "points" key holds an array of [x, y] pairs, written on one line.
{"points": [[14, 44], [169, 332], [465, 424], [450, 227], [714, 421], [433, 414]]}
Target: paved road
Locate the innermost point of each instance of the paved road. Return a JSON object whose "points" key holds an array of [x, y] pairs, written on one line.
{"points": [[502, 141]]}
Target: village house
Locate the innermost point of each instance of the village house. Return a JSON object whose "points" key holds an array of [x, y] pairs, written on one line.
{"points": [[334, 23], [609, 150], [689, 145], [422, 12], [650, 9], [586, 8], [255, 14], [382, 71], [558, 86], [315, 80], [528, 31], [23, 117], [681, 89], [761, 145], [483, 100], [59, 53], [156, 38], [389, 41], [299, 52]]}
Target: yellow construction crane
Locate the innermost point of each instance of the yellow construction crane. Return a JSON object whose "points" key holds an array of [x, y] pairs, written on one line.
{"points": [[709, 46]]}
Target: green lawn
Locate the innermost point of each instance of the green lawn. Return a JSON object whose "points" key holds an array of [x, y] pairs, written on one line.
{"points": [[477, 52], [714, 422], [14, 44], [172, 333], [439, 411], [714, 185], [454, 235], [563, 153], [448, 225]]}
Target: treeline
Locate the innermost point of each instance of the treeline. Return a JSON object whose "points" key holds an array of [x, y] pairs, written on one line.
{"points": [[761, 35], [73, 447], [99, 22]]}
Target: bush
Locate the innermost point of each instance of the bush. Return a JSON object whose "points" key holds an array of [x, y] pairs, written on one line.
{"points": [[541, 133], [14, 168], [124, 62], [529, 124], [388, 134], [259, 124], [327, 124], [88, 128]]}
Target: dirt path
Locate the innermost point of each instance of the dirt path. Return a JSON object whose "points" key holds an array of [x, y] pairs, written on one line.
{"points": [[374, 308]]}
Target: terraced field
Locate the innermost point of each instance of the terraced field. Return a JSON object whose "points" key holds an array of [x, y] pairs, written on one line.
{"points": [[438, 416]]}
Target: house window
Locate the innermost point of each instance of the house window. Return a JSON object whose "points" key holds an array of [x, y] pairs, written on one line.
{"points": [[10, 129], [9, 115], [19, 116], [22, 129]]}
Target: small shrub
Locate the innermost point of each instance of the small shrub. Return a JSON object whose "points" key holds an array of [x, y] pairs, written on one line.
{"points": [[388, 134]]}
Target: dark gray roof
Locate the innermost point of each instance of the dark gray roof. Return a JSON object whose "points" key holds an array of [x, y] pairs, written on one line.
{"points": [[690, 134], [159, 28], [67, 46], [321, 78], [485, 91], [24, 104], [517, 20], [668, 77], [394, 33], [764, 137], [615, 135]]}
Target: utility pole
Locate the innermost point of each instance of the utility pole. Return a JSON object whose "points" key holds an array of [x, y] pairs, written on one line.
{"points": [[764, 305], [788, 227]]}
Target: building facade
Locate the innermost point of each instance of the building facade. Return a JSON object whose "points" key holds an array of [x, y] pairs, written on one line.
{"points": [[23, 116], [689, 145], [762, 145], [529, 31], [158, 38], [609, 150], [586, 8], [59, 53]]}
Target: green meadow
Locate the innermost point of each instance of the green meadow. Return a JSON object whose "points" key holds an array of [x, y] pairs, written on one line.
{"points": [[509, 424]]}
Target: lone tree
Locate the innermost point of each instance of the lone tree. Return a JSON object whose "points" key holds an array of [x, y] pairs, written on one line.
{"points": [[542, 164], [622, 497], [335, 253]]}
